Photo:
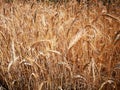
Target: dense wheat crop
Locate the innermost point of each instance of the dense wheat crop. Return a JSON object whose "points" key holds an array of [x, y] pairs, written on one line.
{"points": [[62, 46]]}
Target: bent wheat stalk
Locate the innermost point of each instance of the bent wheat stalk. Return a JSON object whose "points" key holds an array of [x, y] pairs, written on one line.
{"points": [[111, 16]]}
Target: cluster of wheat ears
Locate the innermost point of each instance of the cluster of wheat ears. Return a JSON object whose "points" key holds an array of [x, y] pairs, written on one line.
{"points": [[47, 46]]}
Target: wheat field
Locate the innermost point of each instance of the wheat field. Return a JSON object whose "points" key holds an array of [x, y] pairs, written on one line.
{"points": [[59, 46]]}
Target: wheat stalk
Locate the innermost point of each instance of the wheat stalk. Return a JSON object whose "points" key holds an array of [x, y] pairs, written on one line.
{"points": [[76, 38]]}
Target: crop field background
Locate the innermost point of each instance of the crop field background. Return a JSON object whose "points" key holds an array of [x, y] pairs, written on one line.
{"points": [[59, 45]]}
